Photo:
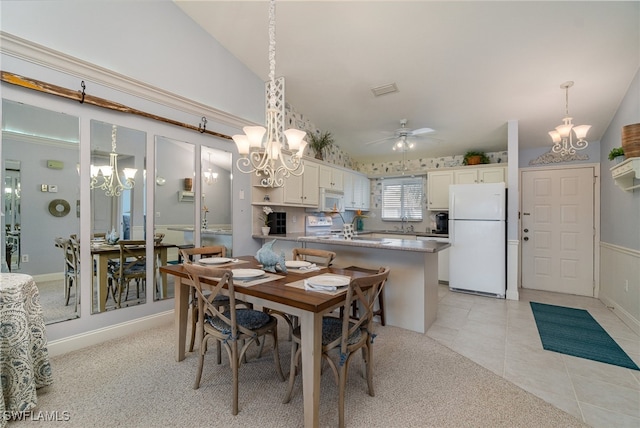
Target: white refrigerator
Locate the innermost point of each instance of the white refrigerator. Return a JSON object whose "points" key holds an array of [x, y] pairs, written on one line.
{"points": [[477, 234]]}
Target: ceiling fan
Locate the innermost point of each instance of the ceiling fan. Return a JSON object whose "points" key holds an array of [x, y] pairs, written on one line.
{"points": [[401, 135]]}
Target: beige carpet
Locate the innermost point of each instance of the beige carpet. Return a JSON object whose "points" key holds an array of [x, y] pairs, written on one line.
{"points": [[135, 382]]}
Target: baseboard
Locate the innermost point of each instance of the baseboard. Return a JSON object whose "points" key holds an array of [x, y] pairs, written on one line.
{"points": [[73, 343], [625, 316]]}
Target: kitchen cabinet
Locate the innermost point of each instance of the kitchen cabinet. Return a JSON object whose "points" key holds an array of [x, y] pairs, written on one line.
{"points": [[480, 175], [331, 178], [302, 190], [438, 183], [356, 191]]}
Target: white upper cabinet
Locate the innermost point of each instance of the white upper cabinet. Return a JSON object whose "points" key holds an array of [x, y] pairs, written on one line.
{"points": [[302, 190], [356, 191], [467, 175], [331, 178], [438, 189]]}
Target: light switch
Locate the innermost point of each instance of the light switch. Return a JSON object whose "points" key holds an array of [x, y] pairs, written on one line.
{"points": [[44, 188], [241, 196]]}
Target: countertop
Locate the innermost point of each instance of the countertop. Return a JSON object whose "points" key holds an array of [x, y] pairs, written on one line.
{"points": [[203, 231], [363, 241]]}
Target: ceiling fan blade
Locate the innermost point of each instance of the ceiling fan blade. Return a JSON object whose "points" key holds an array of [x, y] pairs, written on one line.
{"points": [[381, 140], [422, 131]]}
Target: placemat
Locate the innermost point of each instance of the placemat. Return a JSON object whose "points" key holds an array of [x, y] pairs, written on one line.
{"points": [[248, 283]]}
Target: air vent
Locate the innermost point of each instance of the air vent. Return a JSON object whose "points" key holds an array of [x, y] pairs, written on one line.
{"points": [[384, 89]]}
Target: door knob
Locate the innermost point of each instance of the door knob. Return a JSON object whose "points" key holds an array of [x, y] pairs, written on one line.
{"points": [[526, 230], [526, 238]]}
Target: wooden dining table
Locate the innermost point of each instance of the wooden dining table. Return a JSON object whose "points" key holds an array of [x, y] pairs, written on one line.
{"points": [[105, 252], [308, 306]]}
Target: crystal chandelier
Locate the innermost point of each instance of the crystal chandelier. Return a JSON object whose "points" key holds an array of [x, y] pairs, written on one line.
{"points": [[563, 137], [266, 158], [210, 177], [107, 177]]}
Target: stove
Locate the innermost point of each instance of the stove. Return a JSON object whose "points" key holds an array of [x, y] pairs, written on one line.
{"points": [[319, 226]]}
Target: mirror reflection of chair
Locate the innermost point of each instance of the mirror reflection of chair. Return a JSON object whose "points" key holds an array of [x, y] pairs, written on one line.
{"points": [[343, 336], [191, 254], [230, 327], [132, 265], [71, 253]]}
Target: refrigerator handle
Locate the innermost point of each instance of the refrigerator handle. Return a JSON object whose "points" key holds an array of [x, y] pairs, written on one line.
{"points": [[452, 206], [451, 230]]}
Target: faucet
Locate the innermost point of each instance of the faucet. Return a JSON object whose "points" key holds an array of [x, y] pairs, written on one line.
{"points": [[403, 220]]}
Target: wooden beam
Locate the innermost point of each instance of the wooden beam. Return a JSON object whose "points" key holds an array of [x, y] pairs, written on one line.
{"points": [[48, 88]]}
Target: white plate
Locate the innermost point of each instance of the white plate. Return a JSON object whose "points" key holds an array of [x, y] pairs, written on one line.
{"points": [[214, 260], [246, 273], [329, 281], [296, 263]]}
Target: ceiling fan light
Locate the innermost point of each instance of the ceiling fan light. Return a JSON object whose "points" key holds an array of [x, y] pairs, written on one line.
{"points": [[581, 131]]}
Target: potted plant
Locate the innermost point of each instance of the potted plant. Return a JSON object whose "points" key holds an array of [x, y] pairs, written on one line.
{"points": [[265, 220], [475, 158], [617, 154], [319, 142]]}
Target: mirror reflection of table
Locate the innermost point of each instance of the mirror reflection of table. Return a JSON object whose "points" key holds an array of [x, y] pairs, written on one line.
{"points": [[104, 252], [24, 358]]}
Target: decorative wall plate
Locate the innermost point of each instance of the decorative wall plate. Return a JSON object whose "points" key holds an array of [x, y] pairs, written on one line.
{"points": [[59, 208]]}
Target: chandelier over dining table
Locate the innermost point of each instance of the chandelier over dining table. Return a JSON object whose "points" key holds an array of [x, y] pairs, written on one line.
{"points": [[268, 157]]}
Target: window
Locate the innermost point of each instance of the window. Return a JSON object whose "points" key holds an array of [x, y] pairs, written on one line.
{"points": [[402, 197]]}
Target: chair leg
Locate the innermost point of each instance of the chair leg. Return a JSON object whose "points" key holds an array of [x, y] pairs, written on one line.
{"points": [[67, 286], [203, 350], [194, 323], [234, 368], [368, 366], [341, 388], [276, 353], [295, 356]]}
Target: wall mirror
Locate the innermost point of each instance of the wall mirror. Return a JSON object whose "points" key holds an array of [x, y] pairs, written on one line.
{"points": [[40, 155], [216, 213], [174, 210], [118, 212]]}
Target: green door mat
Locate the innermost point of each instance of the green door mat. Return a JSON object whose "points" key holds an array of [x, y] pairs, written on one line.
{"points": [[574, 332]]}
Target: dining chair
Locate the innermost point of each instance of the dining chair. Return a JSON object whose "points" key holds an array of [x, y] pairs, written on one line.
{"points": [[343, 336], [132, 265], [379, 312], [322, 258], [228, 328], [71, 253], [319, 257], [193, 254]]}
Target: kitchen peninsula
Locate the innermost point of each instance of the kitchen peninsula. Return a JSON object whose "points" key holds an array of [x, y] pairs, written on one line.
{"points": [[411, 292]]}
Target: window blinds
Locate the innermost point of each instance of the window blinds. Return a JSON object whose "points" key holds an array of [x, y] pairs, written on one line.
{"points": [[402, 197]]}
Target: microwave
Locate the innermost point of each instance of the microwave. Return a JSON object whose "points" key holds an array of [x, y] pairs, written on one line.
{"points": [[330, 200]]}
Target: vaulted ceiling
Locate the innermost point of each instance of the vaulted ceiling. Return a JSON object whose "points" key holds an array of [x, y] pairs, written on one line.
{"points": [[461, 68]]}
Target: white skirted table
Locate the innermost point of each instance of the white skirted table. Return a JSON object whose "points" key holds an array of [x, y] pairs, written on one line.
{"points": [[24, 359]]}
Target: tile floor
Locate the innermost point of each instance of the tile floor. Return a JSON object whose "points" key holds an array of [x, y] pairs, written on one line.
{"points": [[501, 335]]}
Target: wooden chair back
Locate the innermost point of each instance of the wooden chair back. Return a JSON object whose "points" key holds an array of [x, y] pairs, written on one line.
{"points": [[319, 257], [364, 291], [206, 251]]}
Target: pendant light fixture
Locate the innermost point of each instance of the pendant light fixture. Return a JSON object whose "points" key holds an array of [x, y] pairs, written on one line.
{"points": [[266, 157], [563, 136], [107, 177], [210, 177]]}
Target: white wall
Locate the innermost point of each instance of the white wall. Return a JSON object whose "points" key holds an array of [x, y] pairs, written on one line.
{"points": [[159, 63]]}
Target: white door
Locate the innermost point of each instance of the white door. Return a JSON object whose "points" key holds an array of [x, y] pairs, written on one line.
{"points": [[558, 230]]}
